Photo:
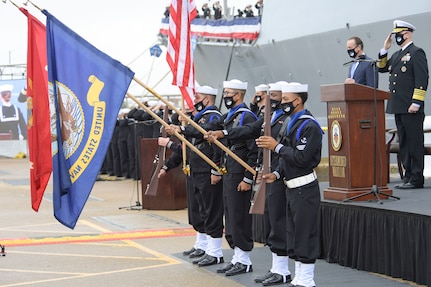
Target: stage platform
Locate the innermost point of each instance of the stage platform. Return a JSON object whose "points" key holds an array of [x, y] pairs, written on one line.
{"points": [[391, 238]]}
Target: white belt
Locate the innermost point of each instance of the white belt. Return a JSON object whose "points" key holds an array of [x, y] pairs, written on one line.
{"points": [[300, 181]]}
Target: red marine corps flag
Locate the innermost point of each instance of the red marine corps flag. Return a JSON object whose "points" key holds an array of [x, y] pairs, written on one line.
{"points": [[180, 52], [39, 128]]}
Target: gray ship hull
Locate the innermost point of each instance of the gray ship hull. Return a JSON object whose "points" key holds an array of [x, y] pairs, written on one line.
{"points": [[316, 59], [316, 55]]}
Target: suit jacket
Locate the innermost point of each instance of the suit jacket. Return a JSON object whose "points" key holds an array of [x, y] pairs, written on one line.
{"points": [[365, 73], [408, 78]]}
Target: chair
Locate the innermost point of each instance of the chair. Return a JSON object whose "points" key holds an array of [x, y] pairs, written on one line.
{"points": [[393, 146]]}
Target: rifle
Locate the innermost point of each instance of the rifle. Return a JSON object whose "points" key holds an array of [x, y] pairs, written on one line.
{"points": [[158, 160], [194, 124], [259, 190], [179, 136]]}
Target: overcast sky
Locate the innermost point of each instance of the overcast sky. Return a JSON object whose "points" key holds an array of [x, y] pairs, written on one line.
{"points": [[123, 29]]}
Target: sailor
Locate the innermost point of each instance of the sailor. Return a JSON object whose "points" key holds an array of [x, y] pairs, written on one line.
{"points": [[237, 182], [408, 82], [257, 105], [275, 203], [248, 11], [11, 118], [300, 152], [208, 194], [362, 70]]}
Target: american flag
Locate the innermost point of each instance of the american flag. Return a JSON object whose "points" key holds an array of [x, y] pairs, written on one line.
{"points": [[180, 52]]}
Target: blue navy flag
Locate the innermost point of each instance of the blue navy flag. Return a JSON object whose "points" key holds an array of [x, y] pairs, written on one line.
{"points": [[86, 89]]}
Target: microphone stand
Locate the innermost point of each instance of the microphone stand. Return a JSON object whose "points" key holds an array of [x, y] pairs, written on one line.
{"points": [[374, 189], [138, 205]]}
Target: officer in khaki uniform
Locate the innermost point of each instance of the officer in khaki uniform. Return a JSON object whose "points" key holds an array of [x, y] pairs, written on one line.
{"points": [[408, 82]]}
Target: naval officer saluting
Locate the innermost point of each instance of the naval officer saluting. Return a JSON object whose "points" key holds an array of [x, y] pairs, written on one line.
{"points": [[408, 82]]}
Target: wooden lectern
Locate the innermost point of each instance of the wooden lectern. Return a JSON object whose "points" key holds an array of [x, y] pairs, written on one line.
{"points": [[171, 190], [351, 124]]}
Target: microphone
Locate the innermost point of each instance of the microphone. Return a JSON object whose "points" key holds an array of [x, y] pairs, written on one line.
{"points": [[361, 60], [349, 62]]}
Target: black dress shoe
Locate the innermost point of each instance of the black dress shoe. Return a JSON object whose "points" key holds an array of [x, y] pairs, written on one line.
{"points": [[225, 268], [408, 185], [196, 261], [188, 252], [197, 253], [276, 279], [261, 278], [239, 268], [208, 260]]}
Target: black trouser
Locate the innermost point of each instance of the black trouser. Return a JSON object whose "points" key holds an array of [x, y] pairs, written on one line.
{"points": [[238, 221], [124, 157], [196, 214], [210, 199], [302, 222], [275, 210], [411, 138], [115, 154]]}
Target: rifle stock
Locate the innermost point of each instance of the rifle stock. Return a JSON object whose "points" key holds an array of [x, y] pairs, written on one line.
{"points": [[153, 186], [259, 191]]}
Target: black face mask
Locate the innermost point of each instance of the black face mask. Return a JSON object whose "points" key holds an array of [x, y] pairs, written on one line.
{"points": [[258, 99], [274, 104], [399, 38], [352, 53], [287, 107], [200, 106], [228, 102]]}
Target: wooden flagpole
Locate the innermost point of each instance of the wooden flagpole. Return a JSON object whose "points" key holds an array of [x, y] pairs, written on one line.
{"points": [[179, 136], [186, 168], [198, 127]]}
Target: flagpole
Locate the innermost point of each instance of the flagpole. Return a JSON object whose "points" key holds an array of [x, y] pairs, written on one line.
{"points": [[4, 1], [198, 127], [181, 137], [28, 1], [186, 168]]}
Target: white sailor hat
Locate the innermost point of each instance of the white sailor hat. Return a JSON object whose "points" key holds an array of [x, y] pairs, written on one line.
{"points": [[277, 86], [206, 90], [6, 88], [400, 26], [294, 87], [261, 88], [235, 84]]}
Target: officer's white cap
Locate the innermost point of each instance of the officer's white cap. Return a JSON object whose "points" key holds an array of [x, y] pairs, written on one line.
{"points": [[235, 84], [6, 88], [261, 88], [294, 87], [277, 86], [400, 26], [206, 90]]}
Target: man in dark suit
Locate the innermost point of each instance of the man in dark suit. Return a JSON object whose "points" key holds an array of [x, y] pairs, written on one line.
{"points": [[408, 82], [362, 69]]}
